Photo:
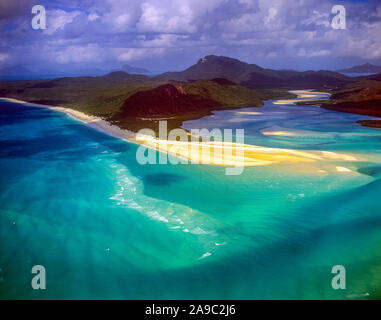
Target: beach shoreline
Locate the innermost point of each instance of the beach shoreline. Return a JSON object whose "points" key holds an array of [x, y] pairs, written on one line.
{"points": [[228, 154], [92, 121]]}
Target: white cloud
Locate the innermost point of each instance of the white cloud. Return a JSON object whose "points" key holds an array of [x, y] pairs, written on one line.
{"points": [[254, 30], [122, 15], [76, 54], [159, 18], [186, 16], [317, 18], [57, 19], [272, 55], [271, 15], [164, 41], [4, 57], [93, 16], [313, 53], [132, 54]]}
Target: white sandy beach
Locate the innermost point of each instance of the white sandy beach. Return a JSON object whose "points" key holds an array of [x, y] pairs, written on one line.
{"points": [[92, 121], [303, 95], [209, 152]]}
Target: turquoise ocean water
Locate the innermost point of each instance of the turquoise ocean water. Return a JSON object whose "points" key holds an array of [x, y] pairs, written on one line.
{"points": [[76, 201]]}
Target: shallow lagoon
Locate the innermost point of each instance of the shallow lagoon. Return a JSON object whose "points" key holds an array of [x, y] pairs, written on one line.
{"points": [[76, 201]]}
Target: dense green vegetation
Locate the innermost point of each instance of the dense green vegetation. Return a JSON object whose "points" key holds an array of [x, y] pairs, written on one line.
{"points": [[226, 95], [101, 96], [234, 96], [227, 82], [313, 103], [358, 91], [212, 83], [104, 96], [361, 97]]}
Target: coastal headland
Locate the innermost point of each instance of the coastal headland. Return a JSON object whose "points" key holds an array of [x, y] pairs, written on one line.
{"points": [[209, 152], [122, 104]]}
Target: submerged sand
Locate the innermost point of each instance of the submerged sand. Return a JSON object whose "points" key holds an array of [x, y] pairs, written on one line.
{"points": [[207, 152], [303, 95]]}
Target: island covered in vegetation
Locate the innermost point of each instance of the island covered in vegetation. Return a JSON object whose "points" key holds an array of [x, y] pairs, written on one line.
{"points": [[134, 101]]}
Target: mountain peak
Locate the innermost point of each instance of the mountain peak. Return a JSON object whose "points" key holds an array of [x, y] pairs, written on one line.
{"points": [[202, 60], [210, 58], [116, 74], [130, 69], [364, 68], [367, 65], [230, 71], [213, 58]]}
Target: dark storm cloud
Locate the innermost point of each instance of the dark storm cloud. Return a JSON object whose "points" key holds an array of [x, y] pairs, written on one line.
{"points": [[12, 8]]}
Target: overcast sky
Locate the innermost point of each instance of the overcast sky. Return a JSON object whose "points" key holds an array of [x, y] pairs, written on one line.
{"points": [[166, 35]]}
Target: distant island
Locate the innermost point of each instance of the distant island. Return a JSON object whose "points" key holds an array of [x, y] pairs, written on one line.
{"points": [[255, 77], [130, 69], [133, 101], [364, 68]]}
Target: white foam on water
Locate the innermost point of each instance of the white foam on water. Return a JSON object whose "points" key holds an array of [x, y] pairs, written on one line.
{"points": [[354, 296], [199, 230], [206, 254], [129, 193]]}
